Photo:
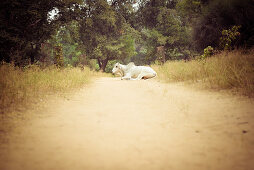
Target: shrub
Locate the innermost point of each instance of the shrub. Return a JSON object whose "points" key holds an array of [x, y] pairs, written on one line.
{"points": [[228, 38], [208, 52]]}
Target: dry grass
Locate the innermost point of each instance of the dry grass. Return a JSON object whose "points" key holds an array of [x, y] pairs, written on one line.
{"points": [[233, 70], [19, 87]]}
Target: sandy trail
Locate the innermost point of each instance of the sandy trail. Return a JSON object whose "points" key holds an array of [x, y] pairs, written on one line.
{"points": [[135, 125]]}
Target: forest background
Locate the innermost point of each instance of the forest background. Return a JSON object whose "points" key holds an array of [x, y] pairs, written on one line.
{"points": [[99, 33]]}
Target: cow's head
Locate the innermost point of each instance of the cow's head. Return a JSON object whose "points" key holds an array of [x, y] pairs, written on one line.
{"points": [[116, 69]]}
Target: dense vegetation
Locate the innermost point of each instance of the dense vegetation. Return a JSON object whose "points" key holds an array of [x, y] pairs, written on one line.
{"points": [[100, 32]]}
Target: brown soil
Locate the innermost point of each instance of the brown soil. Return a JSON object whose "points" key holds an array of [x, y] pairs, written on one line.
{"points": [[132, 125]]}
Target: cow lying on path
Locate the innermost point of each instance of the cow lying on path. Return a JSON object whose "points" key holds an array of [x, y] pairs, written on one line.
{"points": [[132, 72]]}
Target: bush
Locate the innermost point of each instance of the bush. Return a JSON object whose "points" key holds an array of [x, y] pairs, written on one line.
{"points": [[93, 65], [228, 37], [208, 52], [110, 66]]}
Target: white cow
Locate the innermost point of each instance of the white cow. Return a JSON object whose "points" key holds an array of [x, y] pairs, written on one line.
{"points": [[132, 72]]}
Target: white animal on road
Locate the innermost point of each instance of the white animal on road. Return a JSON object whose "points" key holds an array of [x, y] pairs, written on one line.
{"points": [[132, 72]]}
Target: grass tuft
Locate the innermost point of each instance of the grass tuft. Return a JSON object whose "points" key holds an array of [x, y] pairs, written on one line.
{"points": [[227, 70], [19, 86]]}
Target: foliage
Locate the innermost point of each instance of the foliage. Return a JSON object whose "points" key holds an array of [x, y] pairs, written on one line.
{"points": [[208, 52], [58, 55], [218, 15], [189, 10], [110, 66], [163, 28], [105, 33], [152, 39], [228, 37], [117, 30], [26, 24], [93, 65], [68, 37]]}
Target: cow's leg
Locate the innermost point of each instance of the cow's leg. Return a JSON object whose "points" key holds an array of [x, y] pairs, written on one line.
{"points": [[126, 77], [149, 75], [140, 76], [145, 76]]}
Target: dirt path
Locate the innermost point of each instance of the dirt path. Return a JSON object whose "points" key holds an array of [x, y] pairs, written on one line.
{"points": [[134, 125]]}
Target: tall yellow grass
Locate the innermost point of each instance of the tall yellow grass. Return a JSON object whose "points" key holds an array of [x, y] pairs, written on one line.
{"points": [[18, 86], [227, 70]]}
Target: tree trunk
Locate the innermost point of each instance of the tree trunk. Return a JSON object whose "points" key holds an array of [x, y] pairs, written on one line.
{"points": [[104, 64], [32, 58], [99, 62], [34, 52]]}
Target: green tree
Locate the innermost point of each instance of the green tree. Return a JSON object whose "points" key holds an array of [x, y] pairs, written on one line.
{"points": [[219, 15], [228, 38], [152, 39], [189, 10], [73, 50], [25, 25], [163, 28], [105, 33]]}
